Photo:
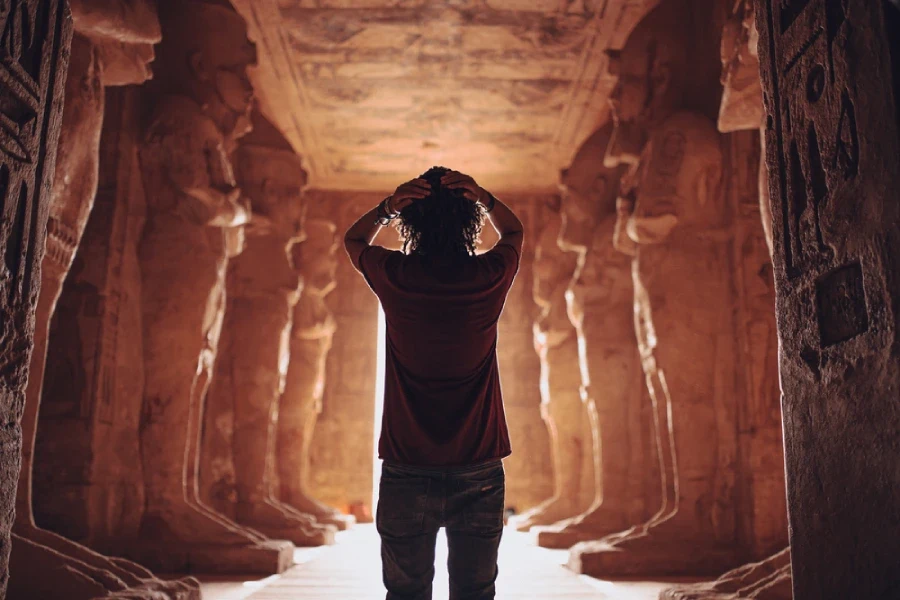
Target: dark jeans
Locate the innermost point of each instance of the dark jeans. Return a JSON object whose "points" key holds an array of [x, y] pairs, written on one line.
{"points": [[414, 502]]}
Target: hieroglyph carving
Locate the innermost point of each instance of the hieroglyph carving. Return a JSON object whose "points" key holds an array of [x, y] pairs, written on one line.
{"points": [[35, 37], [829, 77]]}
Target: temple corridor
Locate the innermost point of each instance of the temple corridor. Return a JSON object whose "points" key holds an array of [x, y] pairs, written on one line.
{"points": [[698, 352], [350, 570]]}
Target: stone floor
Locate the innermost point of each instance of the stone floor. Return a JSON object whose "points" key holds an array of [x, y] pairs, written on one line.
{"points": [[350, 570]]}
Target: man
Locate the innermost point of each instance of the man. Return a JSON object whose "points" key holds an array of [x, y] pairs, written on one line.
{"points": [[444, 430]]}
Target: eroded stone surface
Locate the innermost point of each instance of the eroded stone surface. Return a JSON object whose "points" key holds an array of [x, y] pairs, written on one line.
{"points": [[195, 215], [831, 145], [312, 331], [561, 408], [673, 220], [32, 96], [251, 366]]}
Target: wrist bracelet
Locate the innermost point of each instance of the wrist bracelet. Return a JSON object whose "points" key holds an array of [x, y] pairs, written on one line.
{"points": [[489, 207], [382, 216]]}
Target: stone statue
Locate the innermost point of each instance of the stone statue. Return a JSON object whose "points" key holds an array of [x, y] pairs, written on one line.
{"points": [[315, 260], [673, 220], [561, 408], [742, 109], [254, 352], [609, 380], [195, 215], [105, 33]]}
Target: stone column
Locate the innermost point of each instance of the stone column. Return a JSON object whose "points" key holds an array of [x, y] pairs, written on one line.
{"points": [[254, 351], [764, 524], [36, 37], [829, 75], [112, 46], [673, 220], [312, 330], [195, 215], [561, 408], [599, 302]]}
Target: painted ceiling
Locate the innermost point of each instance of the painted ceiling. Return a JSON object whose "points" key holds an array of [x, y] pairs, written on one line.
{"points": [[373, 92]]}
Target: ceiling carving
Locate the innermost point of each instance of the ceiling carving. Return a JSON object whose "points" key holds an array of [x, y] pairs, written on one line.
{"points": [[373, 92]]}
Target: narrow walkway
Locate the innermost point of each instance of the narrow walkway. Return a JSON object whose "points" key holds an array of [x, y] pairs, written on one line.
{"points": [[351, 570]]}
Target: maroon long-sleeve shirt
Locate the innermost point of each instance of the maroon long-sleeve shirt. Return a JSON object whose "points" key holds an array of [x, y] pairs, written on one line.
{"points": [[442, 400]]}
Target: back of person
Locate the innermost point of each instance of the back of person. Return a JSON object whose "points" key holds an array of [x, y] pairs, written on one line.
{"points": [[444, 432], [443, 402]]}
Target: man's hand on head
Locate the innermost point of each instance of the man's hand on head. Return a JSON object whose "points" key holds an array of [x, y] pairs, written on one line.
{"points": [[455, 180], [406, 194]]}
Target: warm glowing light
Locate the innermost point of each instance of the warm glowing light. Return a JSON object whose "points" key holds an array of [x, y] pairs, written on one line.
{"points": [[379, 407]]}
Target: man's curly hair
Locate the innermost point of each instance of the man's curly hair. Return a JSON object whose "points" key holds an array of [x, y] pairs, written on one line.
{"points": [[445, 223]]}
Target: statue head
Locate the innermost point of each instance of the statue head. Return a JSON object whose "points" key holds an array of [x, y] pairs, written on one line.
{"points": [[124, 32], [588, 189], [271, 175], [604, 271], [315, 258], [206, 55], [650, 80], [678, 183], [742, 105], [552, 265]]}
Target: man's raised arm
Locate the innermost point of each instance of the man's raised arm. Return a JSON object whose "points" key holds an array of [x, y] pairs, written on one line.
{"points": [[502, 218], [364, 231]]}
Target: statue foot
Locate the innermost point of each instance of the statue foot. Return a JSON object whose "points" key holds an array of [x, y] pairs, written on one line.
{"points": [[42, 571], [323, 513], [547, 512], [661, 548], [132, 575], [272, 518], [594, 524], [769, 579]]}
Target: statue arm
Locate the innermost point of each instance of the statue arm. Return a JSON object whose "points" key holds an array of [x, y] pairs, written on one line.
{"points": [[621, 241]]}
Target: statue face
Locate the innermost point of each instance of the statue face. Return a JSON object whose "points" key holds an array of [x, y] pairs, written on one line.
{"points": [[630, 105], [220, 63], [552, 265], [283, 203], [630, 97], [742, 106], [316, 257], [588, 189], [581, 207]]}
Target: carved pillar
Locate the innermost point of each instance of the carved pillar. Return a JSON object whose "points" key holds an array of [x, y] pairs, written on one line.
{"points": [[195, 213], [35, 37], [763, 522], [675, 223], [556, 344], [254, 350], [311, 334], [102, 35], [830, 80], [599, 307]]}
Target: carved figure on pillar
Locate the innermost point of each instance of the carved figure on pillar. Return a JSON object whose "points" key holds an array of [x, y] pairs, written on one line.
{"points": [[608, 374], [254, 354], [561, 408], [105, 34], [672, 219], [313, 327], [195, 215], [742, 109]]}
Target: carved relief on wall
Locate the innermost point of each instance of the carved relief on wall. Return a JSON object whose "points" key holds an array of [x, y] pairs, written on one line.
{"points": [[34, 49], [674, 221], [831, 149]]}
